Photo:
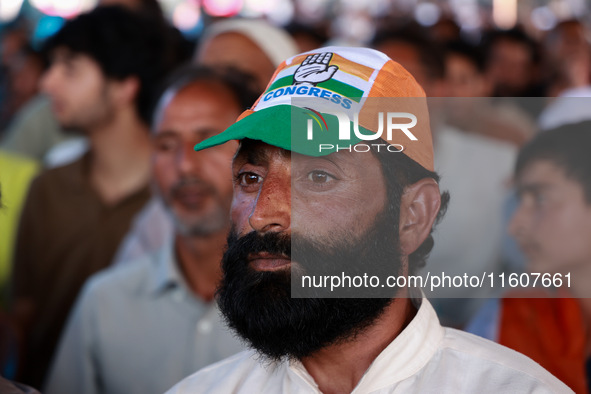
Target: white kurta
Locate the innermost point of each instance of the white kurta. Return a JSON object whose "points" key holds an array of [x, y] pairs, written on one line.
{"points": [[424, 358]]}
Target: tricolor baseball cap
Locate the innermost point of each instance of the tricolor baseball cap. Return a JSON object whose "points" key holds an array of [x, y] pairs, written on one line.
{"points": [[324, 100]]}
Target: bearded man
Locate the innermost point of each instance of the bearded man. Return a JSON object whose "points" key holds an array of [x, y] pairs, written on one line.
{"points": [[317, 196]]}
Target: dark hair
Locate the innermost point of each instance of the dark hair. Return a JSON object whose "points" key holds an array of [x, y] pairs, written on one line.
{"points": [[430, 53], [241, 84], [555, 33], [315, 33], [400, 171], [515, 34], [124, 44], [470, 52], [151, 8], [567, 147]]}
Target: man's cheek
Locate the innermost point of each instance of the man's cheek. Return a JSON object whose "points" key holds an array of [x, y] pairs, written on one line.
{"points": [[240, 212], [158, 182], [165, 178], [302, 219]]}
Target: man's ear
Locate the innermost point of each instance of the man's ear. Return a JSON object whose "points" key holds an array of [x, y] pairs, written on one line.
{"points": [[419, 206], [126, 90]]}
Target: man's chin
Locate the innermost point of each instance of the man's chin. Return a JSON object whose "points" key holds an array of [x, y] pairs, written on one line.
{"points": [[260, 306], [72, 129], [197, 224]]}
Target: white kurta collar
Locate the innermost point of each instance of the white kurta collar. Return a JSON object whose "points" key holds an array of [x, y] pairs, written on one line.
{"points": [[403, 357]]}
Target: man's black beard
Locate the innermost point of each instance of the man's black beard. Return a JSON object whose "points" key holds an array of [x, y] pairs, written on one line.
{"points": [[259, 305]]}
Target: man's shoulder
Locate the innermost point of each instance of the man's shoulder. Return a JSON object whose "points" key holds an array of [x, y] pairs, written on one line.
{"points": [[243, 369], [123, 279], [58, 178], [464, 362], [477, 347], [497, 363]]}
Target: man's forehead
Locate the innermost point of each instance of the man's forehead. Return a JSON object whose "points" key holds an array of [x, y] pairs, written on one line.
{"points": [[62, 53], [540, 175], [200, 100], [258, 152], [541, 169]]}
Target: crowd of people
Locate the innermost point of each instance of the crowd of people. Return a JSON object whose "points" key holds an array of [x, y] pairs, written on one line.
{"points": [[124, 253]]}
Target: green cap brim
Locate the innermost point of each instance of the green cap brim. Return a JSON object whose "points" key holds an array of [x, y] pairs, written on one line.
{"points": [[285, 126]]}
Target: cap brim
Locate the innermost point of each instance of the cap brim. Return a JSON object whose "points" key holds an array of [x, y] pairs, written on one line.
{"points": [[284, 126]]}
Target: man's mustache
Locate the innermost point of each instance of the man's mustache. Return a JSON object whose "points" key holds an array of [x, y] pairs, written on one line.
{"points": [[251, 243]]}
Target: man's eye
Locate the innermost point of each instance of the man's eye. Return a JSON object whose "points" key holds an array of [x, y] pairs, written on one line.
{"points": [[165, 146], [319, 177], [249, 178]]}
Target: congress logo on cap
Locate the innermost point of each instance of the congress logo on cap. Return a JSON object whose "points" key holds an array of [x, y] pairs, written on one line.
{"points": [[335, 98]]}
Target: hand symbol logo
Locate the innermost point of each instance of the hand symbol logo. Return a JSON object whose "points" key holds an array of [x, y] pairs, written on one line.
{"points": [[315, 69]]}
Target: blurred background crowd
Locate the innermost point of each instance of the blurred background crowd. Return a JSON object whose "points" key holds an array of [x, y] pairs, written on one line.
{"points": [[496, 73], [543, 41]]}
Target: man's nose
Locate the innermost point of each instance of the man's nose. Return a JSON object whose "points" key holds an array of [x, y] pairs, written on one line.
{"points": [[187, 159], [272, 209]]}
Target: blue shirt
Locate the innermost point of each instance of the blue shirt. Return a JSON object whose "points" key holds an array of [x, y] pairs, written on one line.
{"points": [[137, 328]]}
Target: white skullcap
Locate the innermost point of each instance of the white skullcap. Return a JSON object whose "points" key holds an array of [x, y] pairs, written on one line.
{"points": [[571, 107], [275, 42]]}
